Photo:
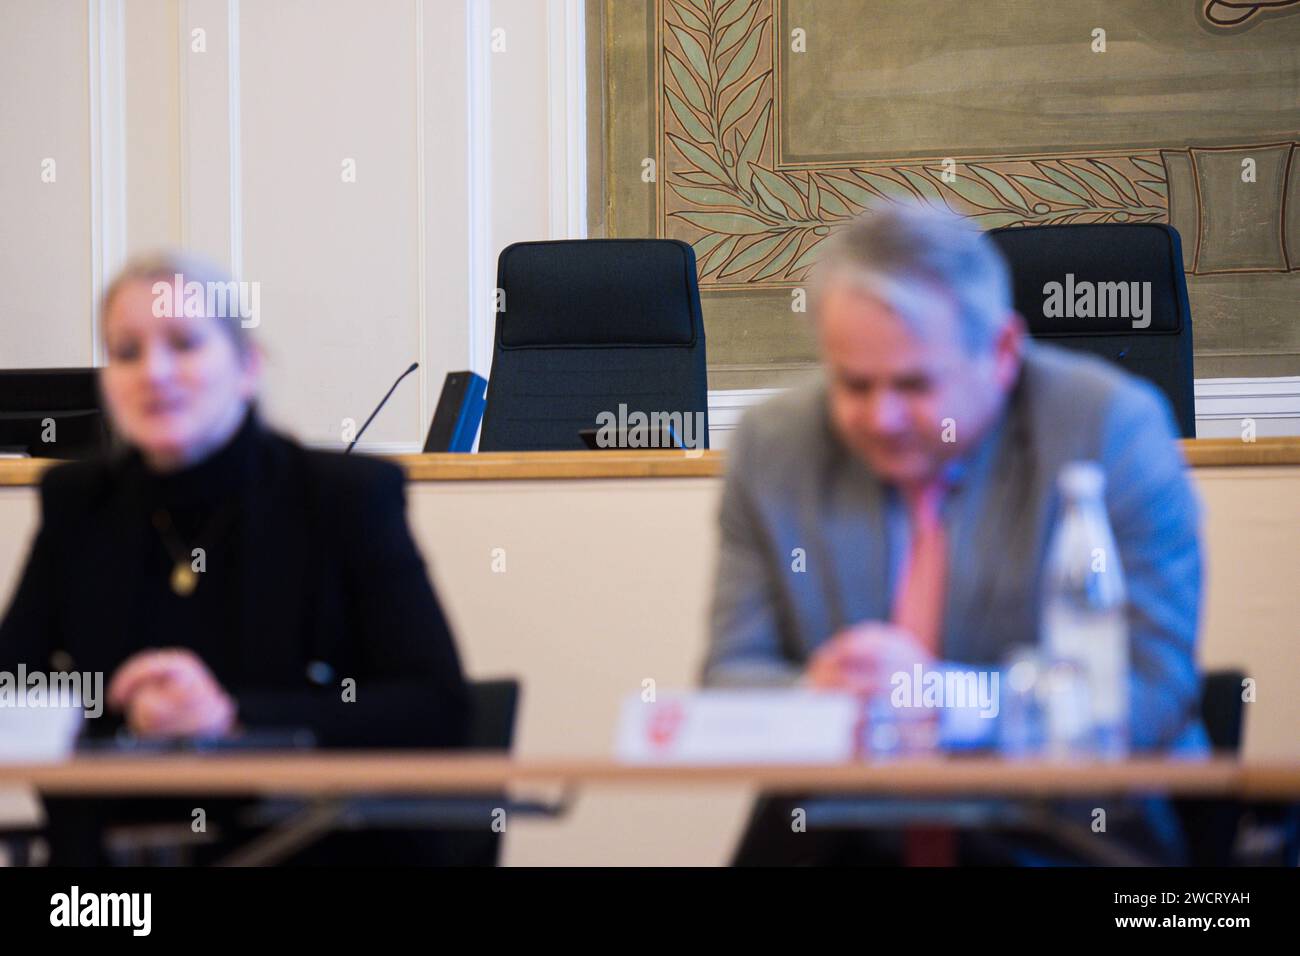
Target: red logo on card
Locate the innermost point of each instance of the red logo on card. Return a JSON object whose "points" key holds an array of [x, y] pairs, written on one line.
{"points": [[665, 722]]}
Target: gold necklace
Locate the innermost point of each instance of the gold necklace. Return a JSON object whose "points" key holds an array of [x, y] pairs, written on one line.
{"points": [[183, 578]]}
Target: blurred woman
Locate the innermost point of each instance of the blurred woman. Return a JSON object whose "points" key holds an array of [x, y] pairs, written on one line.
{"points": [[223, 577]]}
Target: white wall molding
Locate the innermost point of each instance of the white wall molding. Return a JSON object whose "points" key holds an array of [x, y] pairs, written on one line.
{"points": [[482, 277], [107, 58], [422, 221], [567, 126], [1223, 403], [728, 406], [234, 123], [369, 448], [1221, 406]]}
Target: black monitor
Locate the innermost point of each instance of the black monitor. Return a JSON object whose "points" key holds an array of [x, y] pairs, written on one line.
{"points": [[62, 404]]}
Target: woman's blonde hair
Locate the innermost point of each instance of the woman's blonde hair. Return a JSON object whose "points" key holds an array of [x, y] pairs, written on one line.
{"points": [[175, 266]]}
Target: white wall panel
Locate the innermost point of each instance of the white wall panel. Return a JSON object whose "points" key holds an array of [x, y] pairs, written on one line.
{"points": [[327, 83], [46, 234]]}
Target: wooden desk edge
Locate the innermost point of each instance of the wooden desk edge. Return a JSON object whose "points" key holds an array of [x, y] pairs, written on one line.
{"points": [[371, 772], [666, 463]]}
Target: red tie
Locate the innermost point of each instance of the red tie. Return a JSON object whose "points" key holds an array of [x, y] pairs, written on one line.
{"points": [[919, 599], [918, 608]]}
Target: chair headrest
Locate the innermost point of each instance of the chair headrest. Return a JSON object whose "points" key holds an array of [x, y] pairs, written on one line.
{"points": [[598, 292], [1096, 277]]}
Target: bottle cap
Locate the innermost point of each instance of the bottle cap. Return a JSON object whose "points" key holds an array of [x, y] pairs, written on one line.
{"points": [[1082, 479]]}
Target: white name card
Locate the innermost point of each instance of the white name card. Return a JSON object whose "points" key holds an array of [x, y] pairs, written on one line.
{"points": [[738, 726]]}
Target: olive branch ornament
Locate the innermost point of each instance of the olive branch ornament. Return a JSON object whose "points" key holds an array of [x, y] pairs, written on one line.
{"points": [[759, 223]]}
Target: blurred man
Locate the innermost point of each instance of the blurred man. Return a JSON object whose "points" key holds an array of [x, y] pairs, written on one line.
{"points": [[897, 512]]}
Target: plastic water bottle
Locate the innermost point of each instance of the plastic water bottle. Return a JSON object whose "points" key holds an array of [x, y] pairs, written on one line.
{"points": [[1084, 615]]}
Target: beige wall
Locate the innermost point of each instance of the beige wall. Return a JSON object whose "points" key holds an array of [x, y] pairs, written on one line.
{"points": [[1252, 611], [606, 584], [223, 126]]}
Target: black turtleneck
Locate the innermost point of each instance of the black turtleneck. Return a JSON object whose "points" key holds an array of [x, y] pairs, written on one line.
{"points": [[315, 611], [204, 502], [313, 588]]}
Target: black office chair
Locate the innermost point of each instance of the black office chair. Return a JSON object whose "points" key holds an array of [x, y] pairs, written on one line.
{"points": [[1211, 825], [464, 822], [1221, 709], [1218, 824], [589, 325], [1099, 253], [495, 706]]}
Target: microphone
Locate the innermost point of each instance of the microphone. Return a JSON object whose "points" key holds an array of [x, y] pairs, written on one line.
{"points": [[414, 366]]}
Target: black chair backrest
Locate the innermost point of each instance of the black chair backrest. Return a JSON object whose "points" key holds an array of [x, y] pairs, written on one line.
{"points": [[1221, 708], [586, 326], [1210, 825], [1075, 286], [494, 704]]}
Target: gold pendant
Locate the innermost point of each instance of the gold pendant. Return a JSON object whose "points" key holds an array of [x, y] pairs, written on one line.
{"points": [[183, 579]]}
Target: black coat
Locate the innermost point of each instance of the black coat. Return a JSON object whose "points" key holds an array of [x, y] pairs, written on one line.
{"points": [[324, 584]]}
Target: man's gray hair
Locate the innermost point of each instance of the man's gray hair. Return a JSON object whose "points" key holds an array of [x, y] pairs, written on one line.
{"points": [[896, 250]]}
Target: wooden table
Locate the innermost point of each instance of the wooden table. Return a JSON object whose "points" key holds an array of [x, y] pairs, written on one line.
{"points": [[326, 791], [341, 773], [669, 463]]}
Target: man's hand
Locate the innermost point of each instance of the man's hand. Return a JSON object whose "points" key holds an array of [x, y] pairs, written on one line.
{"points": [[862, 659], [171, 693]]}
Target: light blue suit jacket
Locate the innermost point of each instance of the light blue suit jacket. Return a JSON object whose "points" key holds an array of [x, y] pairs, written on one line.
{"points": [[793, 490]]}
